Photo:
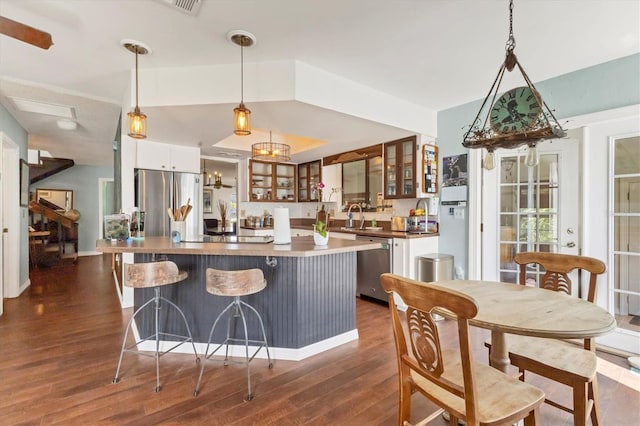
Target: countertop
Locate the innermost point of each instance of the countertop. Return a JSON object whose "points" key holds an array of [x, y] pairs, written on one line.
{"points": [[299, 247], [384, 233]]}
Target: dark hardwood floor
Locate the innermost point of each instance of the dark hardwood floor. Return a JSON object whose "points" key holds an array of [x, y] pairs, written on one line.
{"points": [[60, 340]]}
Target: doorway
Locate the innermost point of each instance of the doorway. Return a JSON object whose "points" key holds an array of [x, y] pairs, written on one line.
{"points": [[626, 232], [531, 208], [9, 220]]}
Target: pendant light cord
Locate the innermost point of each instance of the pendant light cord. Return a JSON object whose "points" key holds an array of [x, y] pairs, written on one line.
{"points": [[137, 76], [511, 41], [242, 41]]}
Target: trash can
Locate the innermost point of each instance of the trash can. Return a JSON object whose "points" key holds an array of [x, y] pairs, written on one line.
{"points": [[435, 267]]}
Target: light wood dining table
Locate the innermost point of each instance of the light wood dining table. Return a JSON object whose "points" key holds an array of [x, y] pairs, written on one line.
{"points": [[507, 308]]}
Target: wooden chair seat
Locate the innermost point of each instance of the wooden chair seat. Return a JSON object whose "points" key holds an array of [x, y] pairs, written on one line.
{"points": [[563, 361], [499, 397]]}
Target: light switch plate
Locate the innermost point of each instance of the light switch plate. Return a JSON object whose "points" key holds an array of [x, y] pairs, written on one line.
{"points": [[458, 213]]}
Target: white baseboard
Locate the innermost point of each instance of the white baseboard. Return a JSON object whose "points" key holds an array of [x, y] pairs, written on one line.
{"points": [[286, 354]]}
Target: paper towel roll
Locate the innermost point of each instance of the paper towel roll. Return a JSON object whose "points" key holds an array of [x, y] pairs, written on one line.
{"points": [[281, 226]]}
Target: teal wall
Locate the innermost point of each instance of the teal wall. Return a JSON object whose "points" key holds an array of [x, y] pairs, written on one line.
{"points": [[602, 87], [83, 181], [10, 127]]}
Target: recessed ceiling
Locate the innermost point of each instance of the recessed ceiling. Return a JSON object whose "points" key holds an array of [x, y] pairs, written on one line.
{"points": [[435, 54]]}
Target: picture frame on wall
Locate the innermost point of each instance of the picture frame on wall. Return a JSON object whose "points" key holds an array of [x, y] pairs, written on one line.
{"points": [[24, 183], [207, 200]]}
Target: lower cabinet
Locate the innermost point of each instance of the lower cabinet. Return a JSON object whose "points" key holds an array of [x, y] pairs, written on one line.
{"points": [[406, 252]]}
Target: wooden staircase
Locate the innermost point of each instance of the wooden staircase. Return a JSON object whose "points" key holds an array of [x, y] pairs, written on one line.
{"points": [[63, 233], [48, 167]]}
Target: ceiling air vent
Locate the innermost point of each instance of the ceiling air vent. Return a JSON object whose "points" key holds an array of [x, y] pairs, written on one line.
{"points": [[190, 7]]}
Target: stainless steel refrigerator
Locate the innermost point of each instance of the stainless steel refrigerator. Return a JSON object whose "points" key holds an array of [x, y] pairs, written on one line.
{"points": [[156, 191]]}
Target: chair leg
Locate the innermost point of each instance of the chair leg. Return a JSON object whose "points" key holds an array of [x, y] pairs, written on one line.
{"points": [[532, 418], [236, 304], [124, 340], [186, 324], [580, 404], [264, 334], [592, 392], [206, 352], [404, 403], [156, 300]]}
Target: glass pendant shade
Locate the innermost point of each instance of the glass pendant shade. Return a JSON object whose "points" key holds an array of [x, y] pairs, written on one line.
{"points": [[489, 161], [242, 120], [532, 159], [137, 124]]}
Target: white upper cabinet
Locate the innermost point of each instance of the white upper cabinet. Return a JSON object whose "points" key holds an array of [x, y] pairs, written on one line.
{"points": [[162, 156]]}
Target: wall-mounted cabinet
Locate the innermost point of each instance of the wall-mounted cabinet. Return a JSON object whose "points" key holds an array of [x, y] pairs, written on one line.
{"points": [[162, 156], [309, 174], [272, 181], [400, 168]]}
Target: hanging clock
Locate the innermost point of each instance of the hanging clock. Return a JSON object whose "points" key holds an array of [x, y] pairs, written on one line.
{"points": [[518, 117], [515, 111]]}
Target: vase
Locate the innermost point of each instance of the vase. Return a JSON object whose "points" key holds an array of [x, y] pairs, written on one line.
{"points": [[319, 240]]}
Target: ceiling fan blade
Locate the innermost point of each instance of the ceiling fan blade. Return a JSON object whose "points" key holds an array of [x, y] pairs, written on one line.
{"points": [[25, 33]]}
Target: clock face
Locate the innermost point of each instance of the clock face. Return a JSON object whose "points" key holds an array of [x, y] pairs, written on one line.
{"points": [[515, 111]]}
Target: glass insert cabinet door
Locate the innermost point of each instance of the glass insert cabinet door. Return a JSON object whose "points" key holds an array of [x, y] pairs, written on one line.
{"points": [[625, 218], [400, 168]]}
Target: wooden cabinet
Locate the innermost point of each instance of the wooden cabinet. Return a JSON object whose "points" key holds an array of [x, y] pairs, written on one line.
{"points": [[162, 156], [272, 181], [309, 174], [400, 168]]}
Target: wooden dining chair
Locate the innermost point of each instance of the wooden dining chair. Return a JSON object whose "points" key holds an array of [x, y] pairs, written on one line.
{"points": [[474, 393], [558, 360]]}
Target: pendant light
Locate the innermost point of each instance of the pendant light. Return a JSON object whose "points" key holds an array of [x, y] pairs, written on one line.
{"points": [[137, 120], [271, 151], [241, 114], [517, 117]]}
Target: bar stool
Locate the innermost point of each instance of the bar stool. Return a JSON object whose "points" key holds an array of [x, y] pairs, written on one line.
{"points": [[154, 275], [235, 284]]}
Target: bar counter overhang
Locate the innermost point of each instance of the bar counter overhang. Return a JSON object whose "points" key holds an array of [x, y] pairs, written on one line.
{"points": [[307, 307]]}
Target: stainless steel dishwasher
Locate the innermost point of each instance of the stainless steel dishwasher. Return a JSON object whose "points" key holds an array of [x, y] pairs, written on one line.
{"points": [[372, 264]]}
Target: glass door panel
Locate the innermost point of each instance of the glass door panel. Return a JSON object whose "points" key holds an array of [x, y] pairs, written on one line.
{"points": [[626, 232], [528, 210]]}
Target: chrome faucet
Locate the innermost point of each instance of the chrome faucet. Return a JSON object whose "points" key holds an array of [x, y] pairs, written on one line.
{"points": [[361, 214], [424, 203], [426, 212]]}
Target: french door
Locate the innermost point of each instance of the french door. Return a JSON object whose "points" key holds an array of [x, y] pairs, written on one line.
{"points": [[530, 208]]}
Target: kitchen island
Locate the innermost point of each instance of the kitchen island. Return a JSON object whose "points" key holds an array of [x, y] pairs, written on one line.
{"points": [[307, 307]]}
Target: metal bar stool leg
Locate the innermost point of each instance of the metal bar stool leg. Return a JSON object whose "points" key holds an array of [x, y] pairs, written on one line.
{"points": [[154, 275], [124, 340], [236, 284], [208, 355]]}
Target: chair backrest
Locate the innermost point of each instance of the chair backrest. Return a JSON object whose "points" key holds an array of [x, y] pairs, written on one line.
{"points": [[426, 358], [153, 274], [235, 283], [557, 267]]}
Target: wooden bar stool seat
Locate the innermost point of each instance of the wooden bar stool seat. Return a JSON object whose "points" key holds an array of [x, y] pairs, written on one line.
{"points": [[235, 284], [154, 275]]}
